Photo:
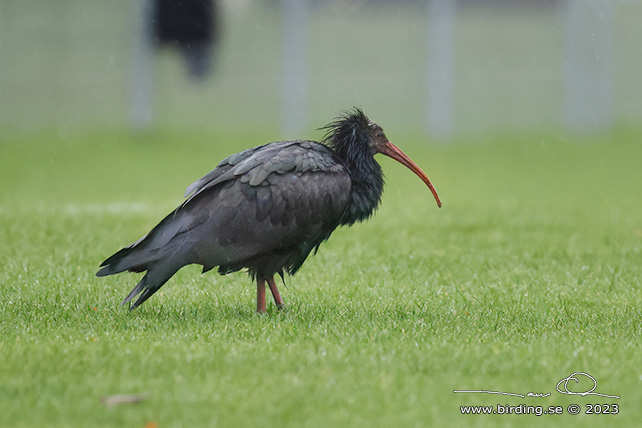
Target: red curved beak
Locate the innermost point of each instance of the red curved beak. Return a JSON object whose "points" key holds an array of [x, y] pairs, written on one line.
{"points": [[395, 152]]}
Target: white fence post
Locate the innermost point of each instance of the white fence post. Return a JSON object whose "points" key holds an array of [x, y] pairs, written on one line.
{"points": [[294, 71], [141, 76], [588, 74], [440, 70]]}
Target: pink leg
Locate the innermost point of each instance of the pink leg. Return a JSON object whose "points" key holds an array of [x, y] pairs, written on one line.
{"points": [[275, 293], [260, 296]]}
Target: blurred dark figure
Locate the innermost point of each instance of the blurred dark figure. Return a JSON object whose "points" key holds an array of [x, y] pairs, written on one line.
{"points": [[193, 27]]}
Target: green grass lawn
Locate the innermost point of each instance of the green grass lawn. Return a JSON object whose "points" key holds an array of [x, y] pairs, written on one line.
{"points": [[531, 271]]}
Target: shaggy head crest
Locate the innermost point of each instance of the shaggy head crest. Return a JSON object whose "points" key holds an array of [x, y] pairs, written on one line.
{"points": [[350, 133]]}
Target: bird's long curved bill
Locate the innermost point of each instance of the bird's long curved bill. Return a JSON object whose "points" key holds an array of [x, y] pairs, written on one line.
{"points": [[395, 152]]}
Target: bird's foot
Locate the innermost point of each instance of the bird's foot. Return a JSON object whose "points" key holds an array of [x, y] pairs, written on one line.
{"points": [[260, 295], [275, 293]]}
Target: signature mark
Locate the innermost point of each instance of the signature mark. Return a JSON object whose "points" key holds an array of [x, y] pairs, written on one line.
{"points": [[561, 387]]}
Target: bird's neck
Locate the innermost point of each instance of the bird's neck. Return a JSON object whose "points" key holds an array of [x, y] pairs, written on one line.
{"points": [[367, 186]]}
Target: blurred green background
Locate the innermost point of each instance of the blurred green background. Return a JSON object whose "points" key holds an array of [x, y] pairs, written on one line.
{"points": [[65, 66]]}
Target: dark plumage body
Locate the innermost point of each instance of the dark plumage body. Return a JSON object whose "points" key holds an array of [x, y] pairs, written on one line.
{"points": [[264, 209]]}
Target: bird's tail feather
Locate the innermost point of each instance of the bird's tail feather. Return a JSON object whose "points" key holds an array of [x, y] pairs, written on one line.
{"points": [[132, 258], [135, 291], [149, 284]]}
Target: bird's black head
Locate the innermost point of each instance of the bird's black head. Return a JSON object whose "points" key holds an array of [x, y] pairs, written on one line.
{"points": [[356, 139]]}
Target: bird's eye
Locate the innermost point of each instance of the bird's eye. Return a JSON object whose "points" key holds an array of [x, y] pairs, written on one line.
{"points": [[379, 135]]}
